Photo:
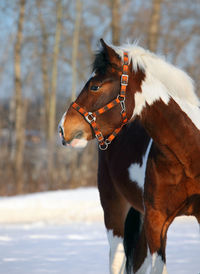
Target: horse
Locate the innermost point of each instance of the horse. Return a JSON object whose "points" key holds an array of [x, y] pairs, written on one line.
{"points": [[120, 181], [163, 99]]}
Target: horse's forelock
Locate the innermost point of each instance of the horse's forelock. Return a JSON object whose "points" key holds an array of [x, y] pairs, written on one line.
{"points": [[101, 61]]}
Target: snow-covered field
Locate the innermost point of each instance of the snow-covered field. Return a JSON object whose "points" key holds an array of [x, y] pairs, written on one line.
{"points": [[63, 232]]}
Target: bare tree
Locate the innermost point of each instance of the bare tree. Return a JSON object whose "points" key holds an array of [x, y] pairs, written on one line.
{"points": [[75, 46], [19, 120], [44, 65], [115, 23], [154, 26], [52, 105]]}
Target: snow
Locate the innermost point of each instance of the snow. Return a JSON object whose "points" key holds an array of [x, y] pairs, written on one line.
{"points": [[73, 249], [56, 207], [63, 232]]}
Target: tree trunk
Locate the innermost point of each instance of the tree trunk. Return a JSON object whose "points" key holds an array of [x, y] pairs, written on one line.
{"points": [[45, 78], [19, 121], [11, 137], [115, 23], [154, 27], [52, 105], [75, 46]]}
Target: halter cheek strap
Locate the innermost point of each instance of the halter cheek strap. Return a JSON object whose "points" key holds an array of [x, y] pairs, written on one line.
{"points": [[90, 117]]}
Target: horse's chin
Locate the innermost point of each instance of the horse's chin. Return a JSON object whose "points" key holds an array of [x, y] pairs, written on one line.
{"points": [[78, 143]]}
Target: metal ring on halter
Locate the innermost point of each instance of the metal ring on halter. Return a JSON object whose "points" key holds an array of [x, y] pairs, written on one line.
{"points": [[121, 98], [122, 103], [90, 115], [107, 142], [103, 146]]}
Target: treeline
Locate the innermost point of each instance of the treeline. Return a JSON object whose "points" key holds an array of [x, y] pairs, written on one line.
{"points": [[45, 57]]}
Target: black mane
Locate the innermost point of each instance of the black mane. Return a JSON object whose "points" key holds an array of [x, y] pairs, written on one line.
{"points": [[101, 61]]}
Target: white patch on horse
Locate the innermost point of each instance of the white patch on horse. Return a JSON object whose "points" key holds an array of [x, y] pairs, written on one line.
{"points": [[158, 266], [152, 91], [79, 143], [146, 266], [137, 171], [117, 255], [61, 124]]}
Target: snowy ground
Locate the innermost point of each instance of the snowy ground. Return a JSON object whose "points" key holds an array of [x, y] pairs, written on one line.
{"points": [[62, 232]]}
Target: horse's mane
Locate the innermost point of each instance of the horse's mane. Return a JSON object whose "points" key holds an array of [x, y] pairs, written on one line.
{"points": [[177, 82]]}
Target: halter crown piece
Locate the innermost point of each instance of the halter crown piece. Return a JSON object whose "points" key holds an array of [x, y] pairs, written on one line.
{"points": [[90, 117]]}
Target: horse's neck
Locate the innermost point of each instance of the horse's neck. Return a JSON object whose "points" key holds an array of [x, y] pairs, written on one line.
{"points": [[171, 128]]}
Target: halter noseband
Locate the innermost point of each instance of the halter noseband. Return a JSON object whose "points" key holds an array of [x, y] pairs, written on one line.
{"points": [[90, 117]]}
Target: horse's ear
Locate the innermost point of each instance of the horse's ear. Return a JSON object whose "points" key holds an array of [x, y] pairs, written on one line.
{"points": [[112, 55], [104, 45]]}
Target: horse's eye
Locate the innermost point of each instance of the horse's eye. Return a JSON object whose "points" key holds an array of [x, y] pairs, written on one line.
{"points": [[94, 88]]}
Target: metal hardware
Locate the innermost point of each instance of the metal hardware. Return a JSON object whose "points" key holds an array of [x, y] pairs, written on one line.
{"points": [[99, 136], [90, 118], [122, 103], [107, 142], [103, 146], [124, 82]]}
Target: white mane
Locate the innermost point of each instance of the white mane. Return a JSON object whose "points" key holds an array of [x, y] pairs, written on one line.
{"points": [[178, 84]]}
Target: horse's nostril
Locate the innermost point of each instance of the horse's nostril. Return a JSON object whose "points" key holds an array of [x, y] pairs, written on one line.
{"points": [[64, 142]]}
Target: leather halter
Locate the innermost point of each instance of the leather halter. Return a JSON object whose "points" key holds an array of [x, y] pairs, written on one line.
{"points": [[90, 117]]}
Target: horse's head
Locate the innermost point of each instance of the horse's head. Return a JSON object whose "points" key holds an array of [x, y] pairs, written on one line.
{"points": [[99, 108]]}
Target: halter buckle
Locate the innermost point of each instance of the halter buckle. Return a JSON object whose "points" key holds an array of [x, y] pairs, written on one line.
{"points": [[124, 79], [99, 136], [90, 118]]}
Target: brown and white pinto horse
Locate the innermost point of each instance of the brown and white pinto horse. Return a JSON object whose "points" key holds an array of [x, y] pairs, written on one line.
{"points": [[162, 98], [121, 173]]}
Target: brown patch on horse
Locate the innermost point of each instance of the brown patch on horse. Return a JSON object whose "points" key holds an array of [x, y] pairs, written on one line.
{"points": [[117, 191], [173, 178]]}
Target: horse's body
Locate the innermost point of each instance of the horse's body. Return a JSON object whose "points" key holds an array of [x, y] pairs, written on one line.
{"points": [[162, 98], [121, 188], [172, 179]]}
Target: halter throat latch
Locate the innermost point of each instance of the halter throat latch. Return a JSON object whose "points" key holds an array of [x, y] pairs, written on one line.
{"points": [[90, 117]]}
